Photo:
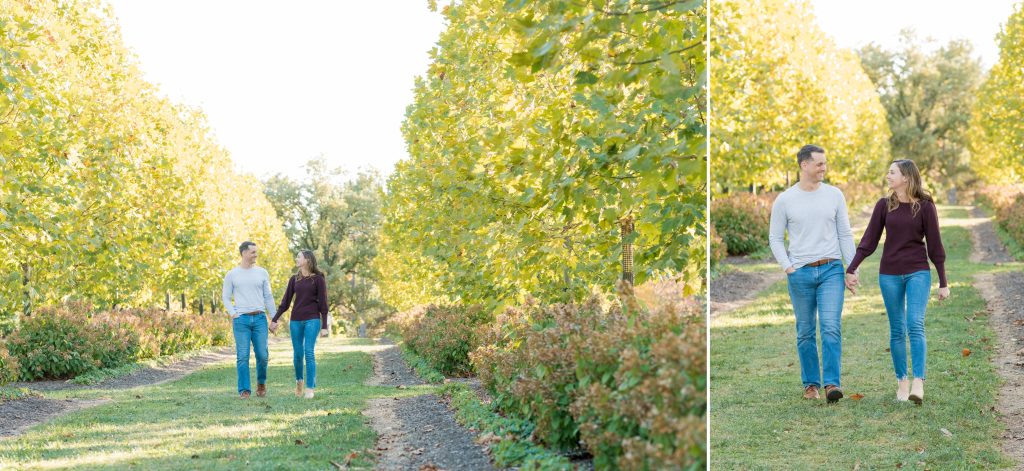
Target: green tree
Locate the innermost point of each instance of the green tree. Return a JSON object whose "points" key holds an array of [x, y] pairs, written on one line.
{"points": [[108, 192], [541, 134], [780, 82], [928, 97], [340, 221], [997, 130]]}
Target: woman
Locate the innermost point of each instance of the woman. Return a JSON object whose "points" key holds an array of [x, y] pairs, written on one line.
{"points": [[309, 316], [910, 219]]}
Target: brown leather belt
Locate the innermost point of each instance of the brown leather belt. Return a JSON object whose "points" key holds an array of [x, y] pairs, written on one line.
{"points": [[821, 262], [252, 313]]}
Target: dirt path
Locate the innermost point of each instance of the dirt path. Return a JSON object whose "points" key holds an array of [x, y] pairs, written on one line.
{"points": [[735, 289], [417, 432], [1004, 296]]}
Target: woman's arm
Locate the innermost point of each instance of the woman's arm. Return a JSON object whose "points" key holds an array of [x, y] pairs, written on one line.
{"points": [[934, 241], [286, 301], [321, 300]]}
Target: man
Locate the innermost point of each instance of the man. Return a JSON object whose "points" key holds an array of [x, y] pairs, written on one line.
{"points": [[247, 299], [815, 217]]}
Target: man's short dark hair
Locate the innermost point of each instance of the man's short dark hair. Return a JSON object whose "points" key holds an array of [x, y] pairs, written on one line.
{"points": [[245, 246], [806, 151]]}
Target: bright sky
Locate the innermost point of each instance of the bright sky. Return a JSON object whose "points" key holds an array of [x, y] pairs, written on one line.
{"points": [[856, 23], [284, 82]]}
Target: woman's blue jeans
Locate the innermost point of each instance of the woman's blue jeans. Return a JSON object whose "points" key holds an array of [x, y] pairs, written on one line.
{"points": [[304, 335], [906, 299]]}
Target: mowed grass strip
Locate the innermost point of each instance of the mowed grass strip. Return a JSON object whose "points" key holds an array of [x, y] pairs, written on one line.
{"points": [[198, 422], [760, 421]]}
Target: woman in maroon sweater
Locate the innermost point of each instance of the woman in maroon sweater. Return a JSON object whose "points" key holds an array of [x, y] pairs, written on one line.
{"points": [[909, 218], [309, 316]]}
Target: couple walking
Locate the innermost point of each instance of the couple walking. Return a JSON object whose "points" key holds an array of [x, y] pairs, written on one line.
{"points": [[248, 298], [814, 214]]}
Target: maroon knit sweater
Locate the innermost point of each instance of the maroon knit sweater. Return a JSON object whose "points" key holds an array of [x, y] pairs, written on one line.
{"points": [[310, 295], [904, 251]]}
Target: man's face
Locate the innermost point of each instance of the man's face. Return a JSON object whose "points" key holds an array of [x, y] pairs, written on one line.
{"points": [[815, 167], [249, 256]]}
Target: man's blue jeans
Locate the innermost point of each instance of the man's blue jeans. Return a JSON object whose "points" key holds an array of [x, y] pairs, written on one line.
{"points": [[906, 298], [251, 329], [304, 335], [817, 292]]}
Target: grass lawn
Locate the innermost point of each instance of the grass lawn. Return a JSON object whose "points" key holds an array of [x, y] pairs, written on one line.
{"points": [[198, 422], [760, 421]]}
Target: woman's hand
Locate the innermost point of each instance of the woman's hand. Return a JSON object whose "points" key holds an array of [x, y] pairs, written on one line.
{"points": [[323, 332], [943, 293], [273, 327]]}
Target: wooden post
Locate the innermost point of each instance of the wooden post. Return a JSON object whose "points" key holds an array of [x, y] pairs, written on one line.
{"points": [[200, 306], [167, 301], [183, 302]]}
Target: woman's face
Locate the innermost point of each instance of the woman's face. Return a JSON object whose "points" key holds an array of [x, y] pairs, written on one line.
{"points": [[895, 178], [300, 260]]}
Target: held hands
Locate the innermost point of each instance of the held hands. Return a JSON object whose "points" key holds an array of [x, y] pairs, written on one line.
{"points": [[852, 281], [943, 293], [273, 327]]}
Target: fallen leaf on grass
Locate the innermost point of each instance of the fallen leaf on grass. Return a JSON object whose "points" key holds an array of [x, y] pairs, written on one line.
{"points": [[430, 467], [966, 352], [857, 397], [300, 442], [946, 432]]}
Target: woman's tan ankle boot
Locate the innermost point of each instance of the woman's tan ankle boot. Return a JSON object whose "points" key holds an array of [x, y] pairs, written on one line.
{"points": [[300, 385], [917, 391], [903, 390]]}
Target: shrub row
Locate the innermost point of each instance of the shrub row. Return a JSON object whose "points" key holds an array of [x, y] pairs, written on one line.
{"points": [[66, 341], [443, 335], [626, 382]]}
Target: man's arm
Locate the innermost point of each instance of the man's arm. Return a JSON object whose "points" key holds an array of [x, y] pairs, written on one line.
{"points": [[227, 292], [777, 234], [844, 232], [268, 296]]}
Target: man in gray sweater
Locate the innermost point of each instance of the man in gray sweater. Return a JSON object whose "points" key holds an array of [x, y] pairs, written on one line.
{"points": [[247, 299], [815, 217]]}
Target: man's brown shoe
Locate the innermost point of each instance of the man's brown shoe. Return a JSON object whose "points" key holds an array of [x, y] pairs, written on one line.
{"points": [[811, 392], [261, 390], [833, 393], [244, 395]]}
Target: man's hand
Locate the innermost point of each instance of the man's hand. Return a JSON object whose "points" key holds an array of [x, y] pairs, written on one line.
{"points": [[790, 270], [852, 281], [323, 332], [943, 293], [273, 327]]}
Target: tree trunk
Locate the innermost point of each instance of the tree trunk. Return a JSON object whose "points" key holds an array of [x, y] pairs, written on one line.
{"points": [[627, 250], [27, 306]]}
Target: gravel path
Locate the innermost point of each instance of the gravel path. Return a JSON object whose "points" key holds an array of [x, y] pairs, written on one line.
{"points": [[735, 289], [1004, 295], [20, 415], [420, 432]]}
